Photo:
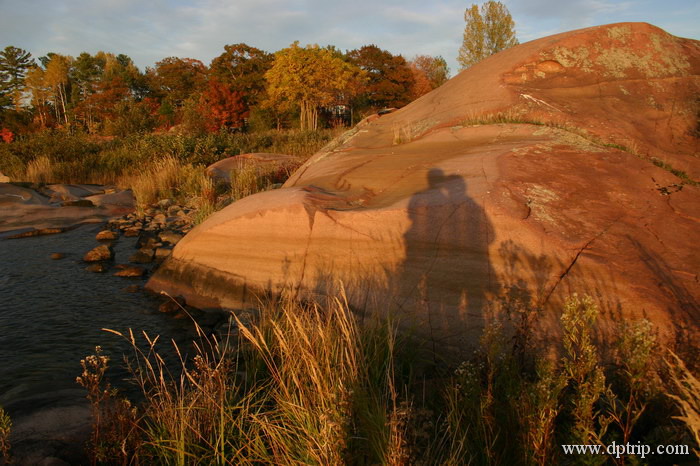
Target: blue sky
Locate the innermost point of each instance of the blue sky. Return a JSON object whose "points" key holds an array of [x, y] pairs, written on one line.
{"points": [[150, 30]]}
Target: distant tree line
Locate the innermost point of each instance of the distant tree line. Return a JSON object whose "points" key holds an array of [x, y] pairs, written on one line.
{"points": [[242, 89]]}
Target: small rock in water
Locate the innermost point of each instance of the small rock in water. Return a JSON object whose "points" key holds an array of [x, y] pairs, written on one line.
{"points": [[146, 239], [159, 218], [57, 255], [162, 254], [106, 235], [96, 268], [131, 232], [170, 237], [133, 288], [131, 271], [142, 256], [172, 305], [100, 253]]}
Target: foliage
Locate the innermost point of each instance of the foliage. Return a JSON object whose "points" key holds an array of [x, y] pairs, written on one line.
{"points": [[434, 69], [309, 77], [489, 30], [389, 78], [243, 69], [222, 107], [177, 79]]}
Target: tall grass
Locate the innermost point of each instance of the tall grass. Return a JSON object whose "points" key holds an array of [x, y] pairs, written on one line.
{"points": [[79, 158], [686, 396], [5, 428], [307, 384]]}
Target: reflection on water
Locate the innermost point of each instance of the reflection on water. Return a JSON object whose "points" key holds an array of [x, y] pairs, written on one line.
{"points": [[52, 313]]}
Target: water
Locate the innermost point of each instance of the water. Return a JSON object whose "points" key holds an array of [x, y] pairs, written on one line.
{"points": [[52, 313]]}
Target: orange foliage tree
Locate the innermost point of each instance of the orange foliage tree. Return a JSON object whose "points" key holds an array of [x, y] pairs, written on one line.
{"points": [[223, 107]]}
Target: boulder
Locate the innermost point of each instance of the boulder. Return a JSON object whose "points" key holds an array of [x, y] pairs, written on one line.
{"points": [[534, 174], [124, 199], [100, 253], [57, 256], [4, 178], [267, 162]]}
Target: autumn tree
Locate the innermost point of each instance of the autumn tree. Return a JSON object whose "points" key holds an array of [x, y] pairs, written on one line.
{"points": [[242, 68], [56, 78], [429, 73], [390, 80], [435, 69], [223, 107], [175, 79], [14, 64], [489, 30], [40, 94], [310, 77]]}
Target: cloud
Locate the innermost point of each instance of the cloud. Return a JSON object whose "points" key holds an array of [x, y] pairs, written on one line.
{"points": [[152, 30]]}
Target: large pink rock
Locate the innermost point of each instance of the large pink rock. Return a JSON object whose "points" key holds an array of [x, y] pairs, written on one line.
{"points": [[526, 178], [266, 162]]}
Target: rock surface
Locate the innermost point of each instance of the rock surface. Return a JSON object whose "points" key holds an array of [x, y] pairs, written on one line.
{"points": [[542, 171], [24, 207]]}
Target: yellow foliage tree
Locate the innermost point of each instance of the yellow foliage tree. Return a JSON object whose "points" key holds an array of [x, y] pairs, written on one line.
{"points": [[488, 30], [310, 77], [56, 78], [36, 84]]}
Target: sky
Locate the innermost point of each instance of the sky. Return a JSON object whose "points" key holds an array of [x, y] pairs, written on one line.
{"points": [[150, 30]]}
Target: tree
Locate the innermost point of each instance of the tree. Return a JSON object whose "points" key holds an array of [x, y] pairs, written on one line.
{"points": [[175, 79], [223, 107], [488, 30], [429, 73], [40, 93], [14, 64], [390, 80], [56, 78], [310, 77], [435, 69], [243, 69]]}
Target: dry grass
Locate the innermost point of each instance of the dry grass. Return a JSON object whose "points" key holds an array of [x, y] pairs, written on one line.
{"points": [[40, 170], [313, 390], [304, 383], [687, 398], [5, 428]]}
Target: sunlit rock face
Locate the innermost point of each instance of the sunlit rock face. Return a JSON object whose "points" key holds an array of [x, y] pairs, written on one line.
{"points": [[542, 171]]}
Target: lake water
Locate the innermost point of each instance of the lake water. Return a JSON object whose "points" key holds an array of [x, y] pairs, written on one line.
{"points": [[52, 313]]}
